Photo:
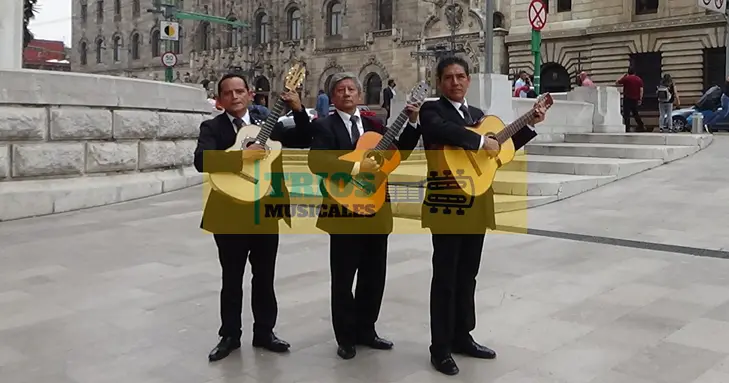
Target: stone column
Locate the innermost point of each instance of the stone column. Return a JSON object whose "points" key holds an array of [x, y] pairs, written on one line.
{"points": [[11, 34]]}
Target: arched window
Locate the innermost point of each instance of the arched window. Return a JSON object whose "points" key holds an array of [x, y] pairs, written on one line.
{"points": [[135, 46], [203, 34], [83, 50], [498, 20], [262, 36], [117, 49], [233, 33], [117, 9], [385, 8], [155, 41], [335, 19], [295, 24], [99, 48], [373, 89], [136, 9]]}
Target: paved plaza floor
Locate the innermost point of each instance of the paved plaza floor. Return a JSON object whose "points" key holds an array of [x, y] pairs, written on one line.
{"points": [[129, 294]]}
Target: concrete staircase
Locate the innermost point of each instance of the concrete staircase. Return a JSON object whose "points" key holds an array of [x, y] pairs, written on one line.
{"points": [[546, 172]]}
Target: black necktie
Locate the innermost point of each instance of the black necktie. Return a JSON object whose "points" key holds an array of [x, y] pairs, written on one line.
{"points": [[355, 129], [466, 115], [238, 124]]}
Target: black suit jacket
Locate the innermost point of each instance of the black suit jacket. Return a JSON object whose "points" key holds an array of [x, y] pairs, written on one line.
{"points": [[223, 215], [387, 98], [333, 140], [441, 124]]}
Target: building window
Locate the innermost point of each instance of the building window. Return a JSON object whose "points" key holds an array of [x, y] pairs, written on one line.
{"points": [[155, 43], [99, 48], [643, 7], [117, 49], [564, 5], [136, 9], [546, 5], [335, 19], [385, 14], [177, 45], [117, 8], [203, 34], [83, 50], [99, 11], [84, 13], [232, 38], [714, 61], [295, 24], [499, 20], [135, 46], [262, 28]]}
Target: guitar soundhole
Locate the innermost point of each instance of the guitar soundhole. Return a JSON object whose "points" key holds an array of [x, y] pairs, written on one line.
{"points": [[378, 157]]}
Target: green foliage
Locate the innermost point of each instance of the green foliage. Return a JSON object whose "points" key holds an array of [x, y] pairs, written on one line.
{"points": [[29, 11]]}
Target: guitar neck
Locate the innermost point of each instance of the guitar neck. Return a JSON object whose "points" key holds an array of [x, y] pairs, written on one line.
{"points": [[392, 131], [270, 122], [514, 127]]}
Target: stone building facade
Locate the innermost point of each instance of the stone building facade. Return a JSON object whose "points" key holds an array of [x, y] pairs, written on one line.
{"points": [[384, 39], [375, 39], [605, 37]]}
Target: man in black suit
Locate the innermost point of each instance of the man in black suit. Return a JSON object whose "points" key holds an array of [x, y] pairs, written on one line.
{"points": [[358, 242], [387, 96], [457, 239], [237, 236]]}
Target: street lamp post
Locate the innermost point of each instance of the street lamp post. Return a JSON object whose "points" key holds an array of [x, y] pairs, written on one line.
{"points": [[489, 37]]}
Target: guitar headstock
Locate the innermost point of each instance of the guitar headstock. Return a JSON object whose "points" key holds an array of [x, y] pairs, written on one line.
{"points": [[544, 100], [295, 77], [419, 93]]}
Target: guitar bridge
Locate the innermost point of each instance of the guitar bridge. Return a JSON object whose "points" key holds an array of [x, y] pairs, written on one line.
{"points": [[248, 177]]}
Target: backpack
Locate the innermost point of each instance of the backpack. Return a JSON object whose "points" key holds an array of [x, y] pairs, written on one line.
{"points": [[664, 94]]}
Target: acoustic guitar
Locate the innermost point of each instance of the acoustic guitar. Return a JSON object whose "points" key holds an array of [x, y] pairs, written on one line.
{"points": [[370, 189], [253, 181], [478, 166]]}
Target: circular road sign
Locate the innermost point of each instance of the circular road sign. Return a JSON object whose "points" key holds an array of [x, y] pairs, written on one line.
{"points": [[537, 15], [169, 59]]}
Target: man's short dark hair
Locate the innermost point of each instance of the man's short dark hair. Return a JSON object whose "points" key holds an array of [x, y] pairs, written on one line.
{"points": [[448, 61], [390, 82], [631, 71], [229, 76]]}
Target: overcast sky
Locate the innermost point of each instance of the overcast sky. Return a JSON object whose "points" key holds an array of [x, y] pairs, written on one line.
{"points": [[53, 20]]}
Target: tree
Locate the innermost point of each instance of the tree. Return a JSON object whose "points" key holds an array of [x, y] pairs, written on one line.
{"points": [[29, 11]]}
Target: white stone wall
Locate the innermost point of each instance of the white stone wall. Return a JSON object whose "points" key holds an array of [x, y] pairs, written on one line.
{"points": [[67, 124]]}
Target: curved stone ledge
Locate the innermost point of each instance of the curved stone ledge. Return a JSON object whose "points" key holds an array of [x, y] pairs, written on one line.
{"points": [[23, 199], [37, 87]]}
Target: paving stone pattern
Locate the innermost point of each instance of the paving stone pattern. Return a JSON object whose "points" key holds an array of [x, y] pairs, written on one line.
{"points": [[129, 293]]}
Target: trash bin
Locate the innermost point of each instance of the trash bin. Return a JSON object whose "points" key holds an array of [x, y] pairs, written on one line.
{"points": [[697, 123]]}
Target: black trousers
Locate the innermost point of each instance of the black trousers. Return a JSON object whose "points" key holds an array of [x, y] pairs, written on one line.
{"points": [[631, 107], [354, 316], [233, 251], [456, 260]]}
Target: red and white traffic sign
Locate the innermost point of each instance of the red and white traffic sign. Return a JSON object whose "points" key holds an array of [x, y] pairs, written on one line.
{"points": [[169, 59], [718, 6], [537, 15]]}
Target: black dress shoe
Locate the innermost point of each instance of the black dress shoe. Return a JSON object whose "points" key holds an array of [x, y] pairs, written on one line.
{"points": [[445, 365], [346, 352], [271, 343], [473, 349], [377, 343], [224, 348]]}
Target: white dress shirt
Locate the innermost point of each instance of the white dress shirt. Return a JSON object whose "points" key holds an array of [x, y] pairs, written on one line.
{"points": [[360, 127], [246, 120], [457, 105]]}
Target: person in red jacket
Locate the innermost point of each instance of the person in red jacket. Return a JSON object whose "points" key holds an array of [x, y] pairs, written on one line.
{"points": [[632, 98]]}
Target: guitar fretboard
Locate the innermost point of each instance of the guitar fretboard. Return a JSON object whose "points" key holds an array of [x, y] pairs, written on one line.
{"points": [[514, 127], [270, 122], [392, 132]]}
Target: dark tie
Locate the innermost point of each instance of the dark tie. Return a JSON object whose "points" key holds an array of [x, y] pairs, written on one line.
{"points": [[238, 124], [355, 129], [466, 115]]}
